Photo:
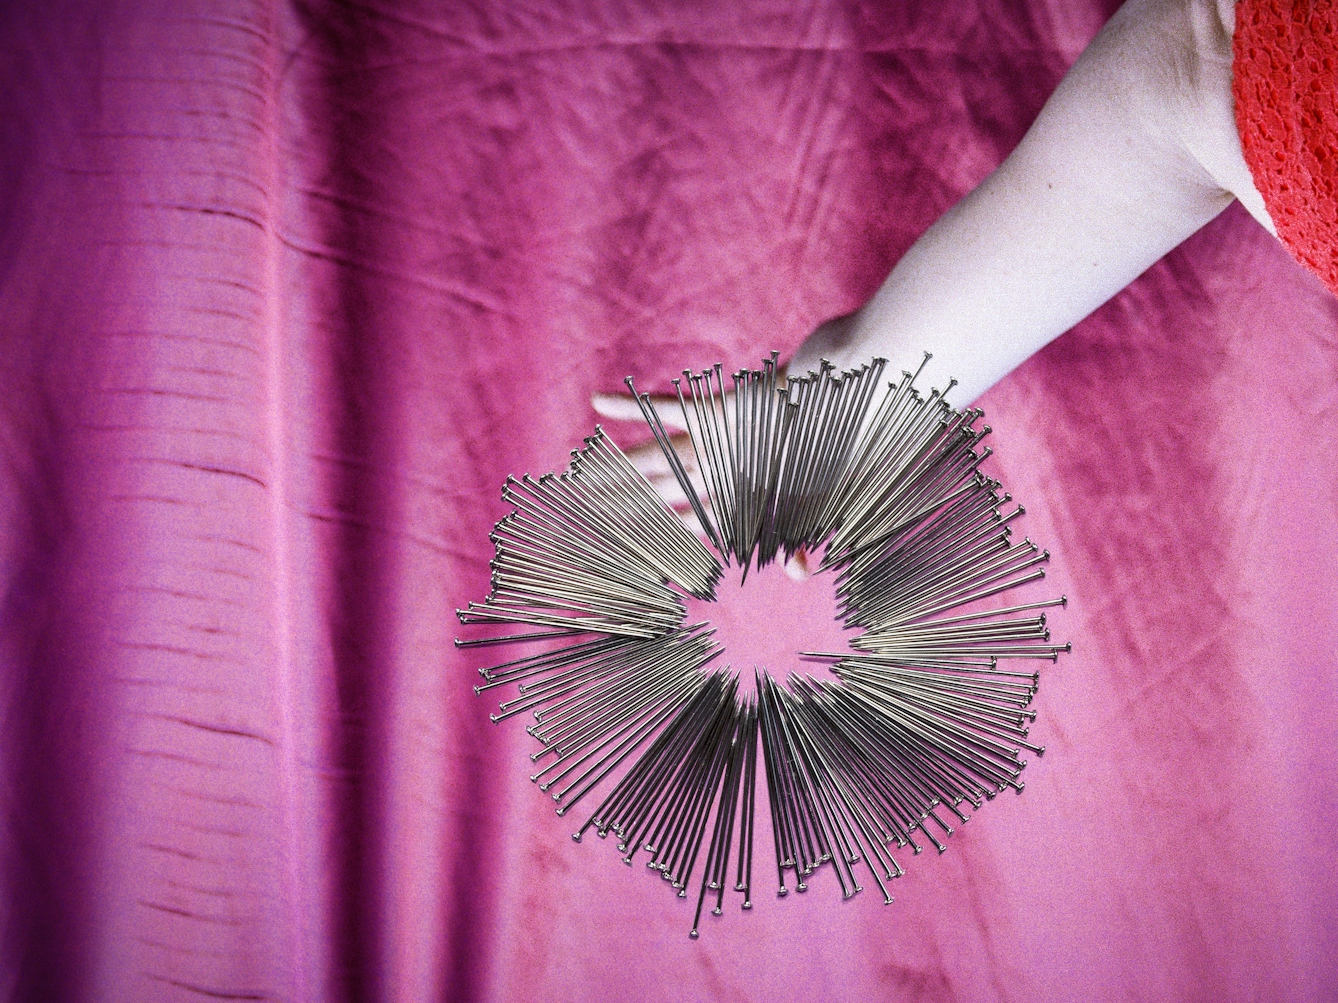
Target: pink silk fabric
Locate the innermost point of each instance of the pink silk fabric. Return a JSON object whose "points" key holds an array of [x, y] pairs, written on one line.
{"points": [[288, 288]]}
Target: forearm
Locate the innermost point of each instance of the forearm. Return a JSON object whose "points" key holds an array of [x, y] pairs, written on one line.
{"points": [[1134, 151]]}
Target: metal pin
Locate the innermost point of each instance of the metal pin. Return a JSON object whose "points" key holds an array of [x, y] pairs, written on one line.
{"points": [[920, 719]]}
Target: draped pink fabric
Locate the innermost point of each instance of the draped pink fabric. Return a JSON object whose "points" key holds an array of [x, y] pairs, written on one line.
{"points": [[288, 288]]}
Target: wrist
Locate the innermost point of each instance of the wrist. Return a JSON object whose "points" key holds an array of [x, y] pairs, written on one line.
{"points": [[830, 340]]}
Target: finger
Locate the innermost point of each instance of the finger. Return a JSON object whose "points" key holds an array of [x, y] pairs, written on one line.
{"points": [[800, 566], [623, 407], [671, 491], [670, 488], [694, 526], [650, 461], [616, 407]]}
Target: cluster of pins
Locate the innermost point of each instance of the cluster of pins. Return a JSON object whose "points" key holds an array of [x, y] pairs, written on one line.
{"points": [[593, 549], [705, 758], [927, 712]]}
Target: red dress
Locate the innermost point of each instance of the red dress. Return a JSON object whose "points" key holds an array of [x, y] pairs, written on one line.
{"points": [[1287, 114]]}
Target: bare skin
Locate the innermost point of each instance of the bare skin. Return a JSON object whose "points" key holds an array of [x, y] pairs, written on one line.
{"points": [[1135, 151]]}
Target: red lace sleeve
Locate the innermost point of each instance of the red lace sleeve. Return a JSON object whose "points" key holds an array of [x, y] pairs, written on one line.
{"points": [[1283, 80]]}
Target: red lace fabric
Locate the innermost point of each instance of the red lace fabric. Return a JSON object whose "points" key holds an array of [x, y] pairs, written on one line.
{"points": [[1283, 83]]}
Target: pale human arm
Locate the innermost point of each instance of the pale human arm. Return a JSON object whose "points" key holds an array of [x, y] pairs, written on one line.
{"points": [[1136, 150]]}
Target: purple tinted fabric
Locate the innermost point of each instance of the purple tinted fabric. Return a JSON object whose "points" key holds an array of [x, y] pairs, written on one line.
{"points": [[287, 289]]}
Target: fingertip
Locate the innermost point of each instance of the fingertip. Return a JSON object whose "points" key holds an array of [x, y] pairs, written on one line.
{"points": [[616, 406], [799, 567]]}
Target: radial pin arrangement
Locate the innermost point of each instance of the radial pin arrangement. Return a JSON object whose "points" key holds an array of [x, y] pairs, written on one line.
{"points": [[927, 713]]}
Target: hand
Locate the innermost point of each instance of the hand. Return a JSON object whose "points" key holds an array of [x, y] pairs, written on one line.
{"points": [[833, 341], [650, 461]]}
